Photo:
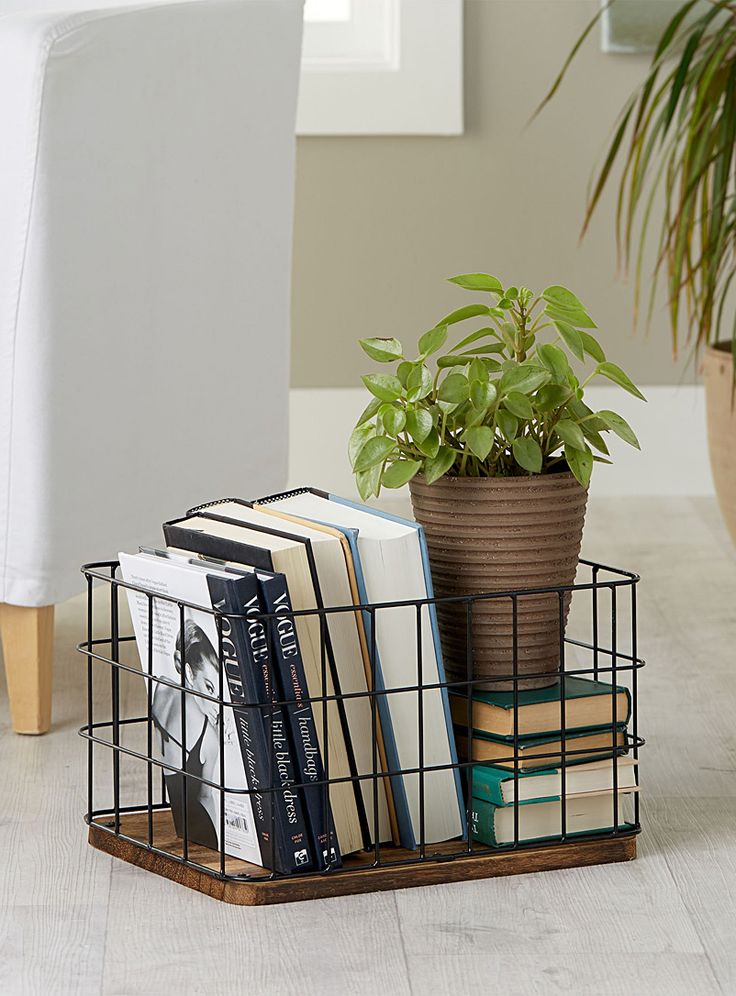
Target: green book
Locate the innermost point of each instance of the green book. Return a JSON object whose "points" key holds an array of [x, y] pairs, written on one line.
{"points": [[588, 703], [540, 821], [497, 785], [540, 752]]}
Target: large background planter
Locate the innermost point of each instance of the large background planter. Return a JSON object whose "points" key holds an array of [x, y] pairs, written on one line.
{"points": [[497, 534], [721, 413]]}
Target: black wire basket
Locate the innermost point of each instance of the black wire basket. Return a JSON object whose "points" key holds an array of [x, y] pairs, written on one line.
{"points": [[129, 809]]}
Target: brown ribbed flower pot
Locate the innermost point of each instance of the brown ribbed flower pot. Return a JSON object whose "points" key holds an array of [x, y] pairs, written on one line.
{"points": [[498, 534]]}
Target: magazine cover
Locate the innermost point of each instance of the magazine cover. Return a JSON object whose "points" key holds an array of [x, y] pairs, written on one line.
{"points": [[195, 653]]}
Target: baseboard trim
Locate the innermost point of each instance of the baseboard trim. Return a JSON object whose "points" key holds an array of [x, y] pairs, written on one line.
{"points": [[671, 428]]}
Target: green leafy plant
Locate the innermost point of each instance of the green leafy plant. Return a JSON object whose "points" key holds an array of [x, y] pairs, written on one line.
{"points": [[676, 135], [505, 400]]}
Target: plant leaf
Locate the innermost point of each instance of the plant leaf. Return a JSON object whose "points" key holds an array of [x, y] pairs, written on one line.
{"points": [[469, 311], [369, 411], [369, 482], [620, 426], [580, 463], [358, 438], [433, 340], [418, 383], [452, 361], [430, 445], [551, 396], [374, 452], [482, 394], [478, 282], [523, 379], [527, 454], [508, 424], [617, 375], [479, 441], [438, 465], [555, 361], [519, 404], [579, 318], [570, 433], [474, 336], [383, 386], [400, 473], [591, 346], [418, 424], [454, 389], [393, 418], [561, 297], [572, 339], [382, 350], [403, 370]]}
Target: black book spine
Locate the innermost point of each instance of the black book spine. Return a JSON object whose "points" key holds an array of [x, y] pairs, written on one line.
{"points": [[294, 691], [261, 728]]}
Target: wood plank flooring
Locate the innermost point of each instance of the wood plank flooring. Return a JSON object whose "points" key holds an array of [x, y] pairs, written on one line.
{"points": [[73, 920]]}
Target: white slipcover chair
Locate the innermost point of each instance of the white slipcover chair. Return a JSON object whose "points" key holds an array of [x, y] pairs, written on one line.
{"points": [[146, 189]]}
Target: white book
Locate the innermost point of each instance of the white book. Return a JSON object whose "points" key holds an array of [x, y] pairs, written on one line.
{"points": [[394, 568], [543, 820], [201, 753]]}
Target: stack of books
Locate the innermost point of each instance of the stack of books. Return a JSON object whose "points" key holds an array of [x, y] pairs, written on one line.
{"points": [[331, 769], [517, 795]]}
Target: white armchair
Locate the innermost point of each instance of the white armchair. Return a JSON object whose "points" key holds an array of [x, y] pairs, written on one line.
{"points": [[146, 188]]}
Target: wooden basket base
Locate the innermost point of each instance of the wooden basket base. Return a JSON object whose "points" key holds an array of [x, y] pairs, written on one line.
{"points": [[348, 880]]}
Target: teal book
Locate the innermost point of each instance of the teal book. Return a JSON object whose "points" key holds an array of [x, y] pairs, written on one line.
{"points": [[588, 703], [541, 821], [498, 786], [541, 752]]}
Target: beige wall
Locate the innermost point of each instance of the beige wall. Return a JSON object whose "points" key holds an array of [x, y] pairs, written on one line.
{"points": [[380, 222]]}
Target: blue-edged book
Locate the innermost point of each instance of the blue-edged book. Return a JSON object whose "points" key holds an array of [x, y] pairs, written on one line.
{"points": [[392, 564]]}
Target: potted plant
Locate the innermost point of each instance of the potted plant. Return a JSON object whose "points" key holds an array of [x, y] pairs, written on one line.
{"points": [[497, 445], [675, 138]]}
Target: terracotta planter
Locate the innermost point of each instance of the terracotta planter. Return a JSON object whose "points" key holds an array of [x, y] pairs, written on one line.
{"points": [[721, 414], [497, 534]]}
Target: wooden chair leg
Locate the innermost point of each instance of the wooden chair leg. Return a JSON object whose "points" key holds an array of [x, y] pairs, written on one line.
{"points": [[28, 640]]}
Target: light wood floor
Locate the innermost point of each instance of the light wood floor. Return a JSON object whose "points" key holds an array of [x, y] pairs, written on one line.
{"points": [[75, 921]]}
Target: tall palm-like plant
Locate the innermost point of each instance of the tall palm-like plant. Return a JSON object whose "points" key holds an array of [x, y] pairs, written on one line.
{"points": [[677, 134]]}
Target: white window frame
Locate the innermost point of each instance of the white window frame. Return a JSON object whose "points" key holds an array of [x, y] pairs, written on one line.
{"points": [[400, 74]]}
